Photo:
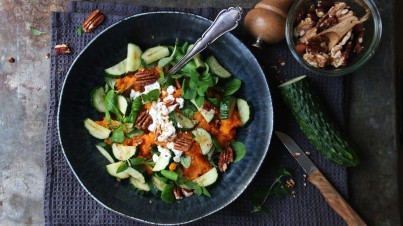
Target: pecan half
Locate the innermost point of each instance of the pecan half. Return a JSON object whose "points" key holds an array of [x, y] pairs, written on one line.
{"points": [[183, 144], [146, 76], [93, 20], [226, 157], [62, 49], [177, 192], [143, 120], [187, 192]]}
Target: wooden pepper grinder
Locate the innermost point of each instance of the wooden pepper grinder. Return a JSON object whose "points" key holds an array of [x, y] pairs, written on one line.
{"points": [[266, 21]]}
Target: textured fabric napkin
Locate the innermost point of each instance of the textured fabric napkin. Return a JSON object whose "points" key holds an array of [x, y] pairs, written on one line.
{"points": [[67, 203]]}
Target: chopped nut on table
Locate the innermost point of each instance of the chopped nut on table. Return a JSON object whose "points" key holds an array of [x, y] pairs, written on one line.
{"points": [[62, 49], [314, 47]]}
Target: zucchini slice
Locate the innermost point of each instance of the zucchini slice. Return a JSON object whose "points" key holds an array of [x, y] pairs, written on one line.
{"points": [[122, 152], [122, 104], [244, 110], [106, 150], [133, 57], [117, 70], [197, 58], [181, 122], [135, 174], [315, 122], [96, 130], [113, 167], [207, 115], [138, 184], [162, 163], [208, 178], [98, 99], [155, 53], [227, 106], [204, 139], [216, 68]]}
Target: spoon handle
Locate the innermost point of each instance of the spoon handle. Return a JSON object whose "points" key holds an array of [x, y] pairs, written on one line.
{"points": [[225, 21]]}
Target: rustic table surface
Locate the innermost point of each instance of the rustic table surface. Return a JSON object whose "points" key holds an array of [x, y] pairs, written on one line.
{"points": [[24, 87]]}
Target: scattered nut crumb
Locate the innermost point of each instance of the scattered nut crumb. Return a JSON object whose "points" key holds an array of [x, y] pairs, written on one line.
{"points": [[297, 154], [304, 175], [281, 61], [150, 201], [11, 60], [290, 183], [294, 194], [307, 153], [47, 56], [304, 184]]}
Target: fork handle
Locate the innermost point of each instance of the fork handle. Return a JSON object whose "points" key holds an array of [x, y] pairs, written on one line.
{"points": [[225, 21], [334, 199]]}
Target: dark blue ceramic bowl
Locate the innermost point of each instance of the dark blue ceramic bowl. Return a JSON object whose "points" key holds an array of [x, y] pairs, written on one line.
{"points": [[109, 48]]}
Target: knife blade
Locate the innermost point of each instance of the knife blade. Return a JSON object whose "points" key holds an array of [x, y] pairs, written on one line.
{"points": [[332, 197]]}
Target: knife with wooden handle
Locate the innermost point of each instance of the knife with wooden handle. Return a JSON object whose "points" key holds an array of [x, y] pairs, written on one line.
{"points": [[333, 198]]}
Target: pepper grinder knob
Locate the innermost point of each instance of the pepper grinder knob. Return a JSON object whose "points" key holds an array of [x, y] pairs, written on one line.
{"points": [[266, 21]]}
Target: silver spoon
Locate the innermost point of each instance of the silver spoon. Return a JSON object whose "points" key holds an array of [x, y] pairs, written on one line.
{"points": [[226, 21]]}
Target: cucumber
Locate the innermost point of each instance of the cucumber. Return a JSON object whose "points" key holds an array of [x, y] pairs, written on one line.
{"points": [[197, 58], [159, 184], [106, 150], [133, 57], [122, 104], [113, 167], [244, 110], [117, 70], [216, 68], [153, 54], [181, 122], [207, 115], [138, 184], [135, 174], [204, 139], [227, 106], [122, 152], [96, 130], [208, 178], [162, 163], [315, 122], [98, 99]]}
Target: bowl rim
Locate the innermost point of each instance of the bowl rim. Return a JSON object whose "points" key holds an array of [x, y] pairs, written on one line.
{"points": [[258, 164], [369, 52]]}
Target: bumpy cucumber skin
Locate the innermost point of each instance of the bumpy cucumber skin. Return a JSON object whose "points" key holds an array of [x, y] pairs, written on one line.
{"points": [[316, 124]]}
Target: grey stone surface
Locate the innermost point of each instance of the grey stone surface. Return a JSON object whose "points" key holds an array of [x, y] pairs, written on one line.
{"points": [[24, 94]]}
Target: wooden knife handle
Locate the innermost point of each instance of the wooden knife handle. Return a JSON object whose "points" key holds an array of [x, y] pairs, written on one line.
{"points": [[334, 199]]}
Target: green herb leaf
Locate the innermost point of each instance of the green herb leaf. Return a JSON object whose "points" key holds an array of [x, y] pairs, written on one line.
{"points": [[167, 194], [164, 61], [205, 192], [198, 190], [214, 101], [170, 175], [122, 168], [134, 132], [217, 144], [162, 77], [231, 87], [137, 105], [111, 103], [79, 30], [162, 179], [36, 32], [239, 149], [79, 11], [185, 161], [151, 96], [199, 101], [118, 136], [110, 84], [137, 161]]}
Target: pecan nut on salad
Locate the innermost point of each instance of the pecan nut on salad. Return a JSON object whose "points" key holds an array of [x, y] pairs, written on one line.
{"points": [[171, 136]]}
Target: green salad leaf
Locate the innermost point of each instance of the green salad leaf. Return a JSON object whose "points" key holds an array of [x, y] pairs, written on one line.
{"points": [[239, 149], [231, 87], [111, 104], [151, 96]]}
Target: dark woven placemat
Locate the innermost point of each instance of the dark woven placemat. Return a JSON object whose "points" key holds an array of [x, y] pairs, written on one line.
{"points": [[66, 202]]}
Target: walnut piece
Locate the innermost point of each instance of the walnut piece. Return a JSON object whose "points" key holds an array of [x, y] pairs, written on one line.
{"points": [[317, 60]]}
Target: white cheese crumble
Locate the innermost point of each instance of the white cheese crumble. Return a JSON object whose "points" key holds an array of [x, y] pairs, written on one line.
{"points": [[149, 88], [134, 94], [177, 153], [163, 152]]}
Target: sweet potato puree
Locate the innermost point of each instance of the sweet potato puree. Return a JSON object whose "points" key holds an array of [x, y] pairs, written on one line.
{"points": [[224, 131]]}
